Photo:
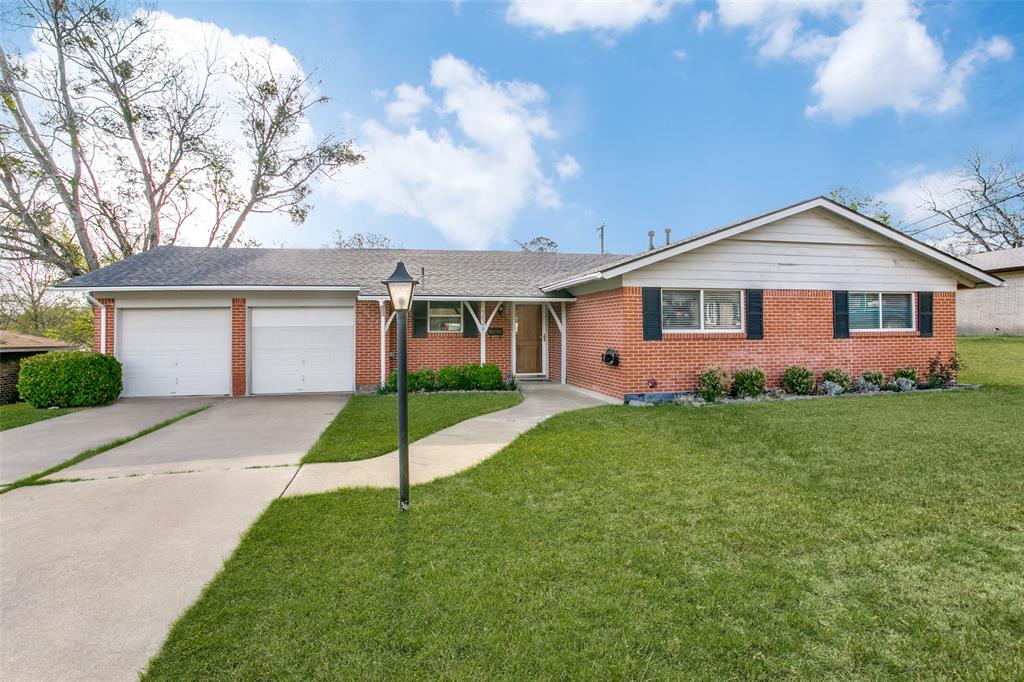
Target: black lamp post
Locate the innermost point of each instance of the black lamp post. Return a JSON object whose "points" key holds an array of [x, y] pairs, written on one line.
{"points": [[400, 285]]}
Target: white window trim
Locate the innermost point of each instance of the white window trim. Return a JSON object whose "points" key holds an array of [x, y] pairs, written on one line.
{"points": [[738, 330], [880, 328], [430, 314]]}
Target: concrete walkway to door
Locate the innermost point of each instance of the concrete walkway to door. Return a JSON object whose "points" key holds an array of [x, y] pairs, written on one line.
{"points": [[451, 450]]}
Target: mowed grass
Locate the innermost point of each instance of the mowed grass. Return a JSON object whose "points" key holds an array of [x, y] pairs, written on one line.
{"points": [[368, 425], [859, 538], [21, 414]]}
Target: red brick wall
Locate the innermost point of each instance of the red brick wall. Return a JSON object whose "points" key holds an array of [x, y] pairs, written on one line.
{"points": [[554, 345], [435, 351], [108, 304], [798, 330], [238, 350]]}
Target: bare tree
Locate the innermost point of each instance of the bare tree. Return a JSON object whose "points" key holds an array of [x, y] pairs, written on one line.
{"points": [[985, 212], [865, 204], [539, 245], [109, 138], [28, 305], [359, 240]]}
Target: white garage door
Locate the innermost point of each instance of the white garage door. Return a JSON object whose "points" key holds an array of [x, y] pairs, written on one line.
{"points": [[308, 350], [175, 351]]}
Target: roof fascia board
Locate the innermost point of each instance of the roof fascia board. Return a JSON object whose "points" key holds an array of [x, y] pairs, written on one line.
{"points": [[488, 299], [208, 288]]}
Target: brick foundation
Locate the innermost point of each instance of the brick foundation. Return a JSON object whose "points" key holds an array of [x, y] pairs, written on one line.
{"points": [[797, 330]]}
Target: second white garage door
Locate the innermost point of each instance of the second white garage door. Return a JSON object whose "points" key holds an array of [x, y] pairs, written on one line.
{"points": [[302, 350]]}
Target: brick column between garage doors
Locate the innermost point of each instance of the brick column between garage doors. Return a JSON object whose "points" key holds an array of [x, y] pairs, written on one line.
{"points": [[238, 325]]}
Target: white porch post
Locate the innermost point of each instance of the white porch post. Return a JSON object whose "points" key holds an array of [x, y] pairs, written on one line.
{"points": [[563, 329], [561, 323], [385, 324], [483, 323]]}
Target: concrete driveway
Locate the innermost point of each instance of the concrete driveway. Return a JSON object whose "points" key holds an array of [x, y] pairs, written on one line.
{"points": [[93, 573], [30, 449]]}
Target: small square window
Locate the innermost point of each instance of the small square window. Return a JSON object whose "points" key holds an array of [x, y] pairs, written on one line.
{"points": [[445, 317]]}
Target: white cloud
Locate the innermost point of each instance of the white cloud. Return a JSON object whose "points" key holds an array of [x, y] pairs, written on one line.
{"points": [[568, 167], [884, 58], [408, 103], [475, 172], [907, 197], [614, 16], [680, 54], [703, 20], [191, 43]]}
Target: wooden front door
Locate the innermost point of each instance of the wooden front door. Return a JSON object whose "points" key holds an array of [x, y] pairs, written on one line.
{"points": [[529, 340]]}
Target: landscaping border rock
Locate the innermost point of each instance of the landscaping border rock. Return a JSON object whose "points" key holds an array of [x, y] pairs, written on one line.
{"points": [[771, 395]]}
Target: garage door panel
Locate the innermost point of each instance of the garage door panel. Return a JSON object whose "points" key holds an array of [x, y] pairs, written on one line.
{"points": [[302, 350], [175, 351]]}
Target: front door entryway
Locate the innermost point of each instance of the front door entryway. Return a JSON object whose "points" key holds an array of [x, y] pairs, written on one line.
{"points": [[529, 333]]}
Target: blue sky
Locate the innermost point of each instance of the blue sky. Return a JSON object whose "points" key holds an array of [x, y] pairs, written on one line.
{"points": [[681, 115]]}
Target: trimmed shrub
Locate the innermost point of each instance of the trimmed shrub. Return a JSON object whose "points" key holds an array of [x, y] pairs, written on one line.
{"points": [[906, 373], [837, 376], [798, 380], [873, 376], [713, 384], [69, 379], [749, 383], [488, 378], [423, 379], [450, 378]]}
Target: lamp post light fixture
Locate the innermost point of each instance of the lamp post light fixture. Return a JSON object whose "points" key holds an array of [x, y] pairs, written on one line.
{"points": [[400, 287]]}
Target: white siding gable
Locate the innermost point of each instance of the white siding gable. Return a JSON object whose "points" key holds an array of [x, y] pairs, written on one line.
{"points": [[811, 250]]}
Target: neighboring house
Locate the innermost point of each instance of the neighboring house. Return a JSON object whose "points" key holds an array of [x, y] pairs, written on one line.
{"points": [[814, 283], [13, 348], [994, 311]]}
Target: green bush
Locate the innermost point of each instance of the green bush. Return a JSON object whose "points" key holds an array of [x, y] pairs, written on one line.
{"points": [[838, 376], [468, 377], [69, 379], [487, 378], [873, 376], [423, 379], [713, 384], [906, 373], [749, 383], [798, 380]]}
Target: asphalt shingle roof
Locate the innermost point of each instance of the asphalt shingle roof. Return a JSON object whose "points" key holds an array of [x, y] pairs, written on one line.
{"points": [[447, 273], [995, 261]]}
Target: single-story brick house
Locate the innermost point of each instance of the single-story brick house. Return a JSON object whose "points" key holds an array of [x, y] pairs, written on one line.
{"points": [[989, 311], [15, 347], [813, 283]]}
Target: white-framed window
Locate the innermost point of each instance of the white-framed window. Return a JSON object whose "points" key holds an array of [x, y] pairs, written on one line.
{"points": [[878, 310], [444, 317], [701, 310]]}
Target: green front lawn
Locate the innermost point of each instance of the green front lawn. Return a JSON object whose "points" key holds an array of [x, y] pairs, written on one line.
{"points": [[367, 426], [20, 414], [858, 538]]}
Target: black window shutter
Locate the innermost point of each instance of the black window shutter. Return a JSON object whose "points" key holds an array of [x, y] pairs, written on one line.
{"points": [[841, 314], [469, 329], [419, 319], [924, 312], [755, 313], [652, 313]]}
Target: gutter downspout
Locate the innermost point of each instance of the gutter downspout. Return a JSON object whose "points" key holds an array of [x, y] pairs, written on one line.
{"points": [[103, 321]]}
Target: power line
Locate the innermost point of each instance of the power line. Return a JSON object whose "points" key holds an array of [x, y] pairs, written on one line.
{"points": [[964, 215], [998, 185]]}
